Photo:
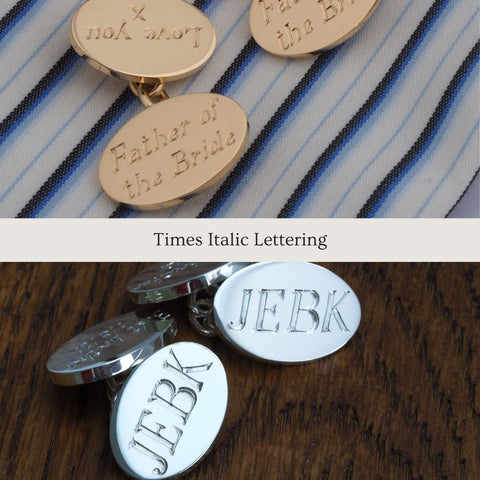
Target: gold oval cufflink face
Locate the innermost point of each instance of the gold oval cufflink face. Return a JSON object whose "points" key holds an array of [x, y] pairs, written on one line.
{"points": [[295, 28], [143, 40], [173, 150]]}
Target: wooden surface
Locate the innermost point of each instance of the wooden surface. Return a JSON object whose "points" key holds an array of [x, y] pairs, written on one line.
{"points": [[400, 401]]}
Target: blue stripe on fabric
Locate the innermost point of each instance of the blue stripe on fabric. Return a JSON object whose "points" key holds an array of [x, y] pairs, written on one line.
{"points": [[450, 170], [224, 39], [11, 133], [52, 140], [42, 45], [332, 110], [251, 112], [15, 15], [294, 204], [429, 159], [279, 118], [99, 195], [100, 136], [425, 146], [55, 187], [404, 123], [90, 158]]}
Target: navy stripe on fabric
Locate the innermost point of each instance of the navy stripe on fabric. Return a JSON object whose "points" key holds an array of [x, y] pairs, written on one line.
{"points": [[265, 135], [249, 49], [378, 94], [238, 64], [76, 155], [15, 14], [37, 94], [399, 170]]}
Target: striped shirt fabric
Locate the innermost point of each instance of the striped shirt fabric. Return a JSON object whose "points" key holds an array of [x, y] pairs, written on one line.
{"points": [[384, 125]]}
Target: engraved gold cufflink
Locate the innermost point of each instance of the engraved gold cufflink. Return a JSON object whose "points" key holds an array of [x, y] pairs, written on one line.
{"points": [[296, 28], [177, 147]]}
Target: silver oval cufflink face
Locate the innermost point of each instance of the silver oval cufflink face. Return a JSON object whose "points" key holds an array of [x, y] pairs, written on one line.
{"points": [[110, 348], [286, 312], [169, 412], [161, 282]]}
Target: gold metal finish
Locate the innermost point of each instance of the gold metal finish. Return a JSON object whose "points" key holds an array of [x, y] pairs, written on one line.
{"points": [[149, 97], [173, 149], [295, 28], [143, 40]]}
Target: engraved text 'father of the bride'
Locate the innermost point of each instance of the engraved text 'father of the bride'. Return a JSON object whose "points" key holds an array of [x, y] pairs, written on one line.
{"points": [[173, 149], [300, 27]]}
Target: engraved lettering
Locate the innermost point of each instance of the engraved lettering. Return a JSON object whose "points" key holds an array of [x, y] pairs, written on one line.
{"points": [[265, 9], [122, 30], [107, 33], [162, 34], [138, 13], [303, 314], [92, 29], [175, 33], [154, 429], [329, 10], [210, 114], [230, 140], [134, 156], [160, 140], [333, 310], [197, 35], [184, 396], [141, 183], [180, 162], [146, 151], [310, 310], [93, 347], [293, 35], [157, 179], [260, 325], [134, 443], [247, 294], [308, 27], [184, 370], [116, 156], [127, 186]]}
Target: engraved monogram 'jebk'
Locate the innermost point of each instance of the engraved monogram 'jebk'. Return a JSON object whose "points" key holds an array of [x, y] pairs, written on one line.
{"points": [[169, 411]]}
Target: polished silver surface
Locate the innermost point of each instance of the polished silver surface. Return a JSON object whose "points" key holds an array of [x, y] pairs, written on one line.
{"points": [[169, 412], [110, 348], [286, 312], [161, 282]]}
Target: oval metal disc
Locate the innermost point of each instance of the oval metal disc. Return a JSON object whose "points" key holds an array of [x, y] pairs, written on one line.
{"points": [[173, 150], [295, 28], [286, 312], [169, 412], [143, 41], [110, 348], [161, 282]]}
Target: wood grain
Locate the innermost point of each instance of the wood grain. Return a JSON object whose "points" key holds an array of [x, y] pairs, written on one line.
{"points": [[400, 401]]}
